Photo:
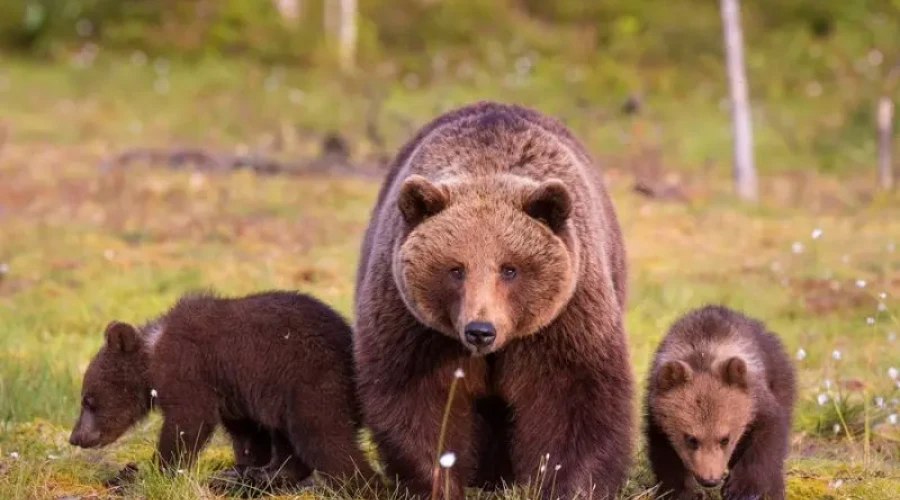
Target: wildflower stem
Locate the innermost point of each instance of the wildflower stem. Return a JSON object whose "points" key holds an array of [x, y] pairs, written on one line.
{"points": [[440, 446], [840, 414]]}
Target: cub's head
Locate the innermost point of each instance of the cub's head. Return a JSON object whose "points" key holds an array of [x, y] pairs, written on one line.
{"points": [[485, 262], [703, 413], [115, 392]]}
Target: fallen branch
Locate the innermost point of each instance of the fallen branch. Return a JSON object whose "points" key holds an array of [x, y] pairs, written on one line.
{"points": [[330, 162]]}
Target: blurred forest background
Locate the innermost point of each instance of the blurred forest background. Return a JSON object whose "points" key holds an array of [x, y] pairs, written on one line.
{"points": [[816, 68], [97, 95]]}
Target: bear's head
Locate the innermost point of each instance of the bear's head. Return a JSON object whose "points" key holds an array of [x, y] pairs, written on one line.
{"points": [[485, 260], [704, 413], [115, 392]]}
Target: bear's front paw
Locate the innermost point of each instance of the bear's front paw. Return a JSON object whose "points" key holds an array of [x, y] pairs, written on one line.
{"points": [[126, 475], [736, 488]]}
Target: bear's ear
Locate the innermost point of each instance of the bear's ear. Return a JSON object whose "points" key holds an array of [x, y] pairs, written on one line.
{"points": [[734, 372], [121, 337], [551, 204], [672, 375], [420, 199]]}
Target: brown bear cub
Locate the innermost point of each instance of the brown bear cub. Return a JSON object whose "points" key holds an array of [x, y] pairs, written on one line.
{"points": [[719, 405], [274, 369]]}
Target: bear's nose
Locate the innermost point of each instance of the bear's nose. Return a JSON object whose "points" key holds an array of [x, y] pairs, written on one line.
{"points": [[707, 482], [480, 333]]}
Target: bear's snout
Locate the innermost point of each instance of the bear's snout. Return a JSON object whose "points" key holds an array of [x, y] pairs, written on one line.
{"points": [[708, 482], [480, 334], [84, 439], [85, 434]]}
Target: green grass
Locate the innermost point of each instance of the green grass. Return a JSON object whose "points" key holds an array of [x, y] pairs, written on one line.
{"points": [[83, 247]]}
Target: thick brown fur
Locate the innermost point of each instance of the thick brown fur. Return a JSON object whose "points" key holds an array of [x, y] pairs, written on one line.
{"points": [[494, 213], [274, 369], [719, 405]]}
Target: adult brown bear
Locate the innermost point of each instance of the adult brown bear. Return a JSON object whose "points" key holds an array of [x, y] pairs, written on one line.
{"points": [[494, 247]]}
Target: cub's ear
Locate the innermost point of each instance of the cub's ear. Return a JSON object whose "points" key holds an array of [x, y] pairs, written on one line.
{"points": [[672, 375], [420, 199], [734, 372], [551, 204], [121, 337]]}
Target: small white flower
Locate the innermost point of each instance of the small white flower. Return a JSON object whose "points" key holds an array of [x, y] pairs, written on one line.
{"points": [[153, 393], [822, 399], [797, 247], [875, 57], [828, 383], [816, 233], [448, 459], [547, 456], [138, 58], [287, 336], [893, 373], [181, 433], [836, 483], [161, 86], [180, 471], [836, 428], [52, 457], [882, 307], [870, 321], [882, 295], [558, 466], [14, 455], [161, 66], [801, 354], [892, 419], [836, 354], [542, 469], [879, 401], [860, 283], [459, 373]]}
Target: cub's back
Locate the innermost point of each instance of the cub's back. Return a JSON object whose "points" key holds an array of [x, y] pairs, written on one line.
{"points": [[260, 338]]}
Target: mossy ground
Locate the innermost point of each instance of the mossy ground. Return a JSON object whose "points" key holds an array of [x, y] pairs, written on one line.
{"points": [[80, 246]]}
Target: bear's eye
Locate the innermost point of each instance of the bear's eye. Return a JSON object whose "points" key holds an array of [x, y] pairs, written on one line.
{"points": [[723, 442], [508, 273], [691, 442], [89, 403], [458, 273]]}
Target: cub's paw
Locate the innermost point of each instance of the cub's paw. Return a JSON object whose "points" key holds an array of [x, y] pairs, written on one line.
{"points": [[740, 490], [125, 476]]}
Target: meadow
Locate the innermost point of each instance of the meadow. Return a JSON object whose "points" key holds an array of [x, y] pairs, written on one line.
{"points": [[83, 241]]}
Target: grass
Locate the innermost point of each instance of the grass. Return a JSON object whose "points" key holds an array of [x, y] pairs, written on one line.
{"points": [[80, 246]]}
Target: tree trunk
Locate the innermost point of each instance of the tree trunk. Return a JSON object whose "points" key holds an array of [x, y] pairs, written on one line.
{"points": [[885, 132], [347, 35], [340, 25], [744, 170], [289, 11]]}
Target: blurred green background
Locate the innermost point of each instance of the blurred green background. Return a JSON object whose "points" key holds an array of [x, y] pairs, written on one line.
{"points": [[816, 68]]}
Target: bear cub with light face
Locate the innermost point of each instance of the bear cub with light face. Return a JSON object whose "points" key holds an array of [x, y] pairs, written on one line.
{"points": [[274, 369], [719, 406]]}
